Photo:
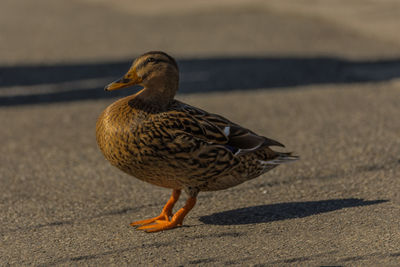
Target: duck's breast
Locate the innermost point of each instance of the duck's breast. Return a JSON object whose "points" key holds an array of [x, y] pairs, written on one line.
{"points": [[129, 143]]}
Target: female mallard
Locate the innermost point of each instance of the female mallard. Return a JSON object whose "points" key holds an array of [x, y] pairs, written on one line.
{"points": [[163, 141]]}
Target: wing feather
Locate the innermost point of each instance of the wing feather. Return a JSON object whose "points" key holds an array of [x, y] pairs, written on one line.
{"points": [[199, 145], [219, 130]]}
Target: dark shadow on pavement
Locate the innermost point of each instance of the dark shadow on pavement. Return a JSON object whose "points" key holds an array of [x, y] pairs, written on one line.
{"points": [[282, 211], [197, 76]]}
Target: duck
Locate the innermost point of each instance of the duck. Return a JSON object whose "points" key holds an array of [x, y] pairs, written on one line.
{"points": [[158, 139]]}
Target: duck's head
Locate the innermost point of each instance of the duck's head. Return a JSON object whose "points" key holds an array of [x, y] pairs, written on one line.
{"points": [[156, 71]]}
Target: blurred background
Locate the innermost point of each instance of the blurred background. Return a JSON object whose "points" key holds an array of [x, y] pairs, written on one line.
{"points": [[74, 48], [322, 77]]}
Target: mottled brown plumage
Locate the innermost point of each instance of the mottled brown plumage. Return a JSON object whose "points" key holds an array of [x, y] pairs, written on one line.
{"points": [[168, 143]]}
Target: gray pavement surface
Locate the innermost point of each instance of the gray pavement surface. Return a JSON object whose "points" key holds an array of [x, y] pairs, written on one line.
{"points": [[327, 91]]}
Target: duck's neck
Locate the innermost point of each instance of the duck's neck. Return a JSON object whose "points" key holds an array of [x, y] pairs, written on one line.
{"points": [[153, 100]]}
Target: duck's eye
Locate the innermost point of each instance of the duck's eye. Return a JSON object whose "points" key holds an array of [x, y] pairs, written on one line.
{"points": [[150, 59]]}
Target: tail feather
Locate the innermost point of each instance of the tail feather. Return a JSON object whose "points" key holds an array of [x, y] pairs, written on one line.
{"points": [[281, 158]]}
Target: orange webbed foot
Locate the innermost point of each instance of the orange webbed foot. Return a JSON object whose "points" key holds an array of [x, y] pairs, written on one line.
{"points": [[158, 225], [166, 213], [155, 225], [161, 217]]}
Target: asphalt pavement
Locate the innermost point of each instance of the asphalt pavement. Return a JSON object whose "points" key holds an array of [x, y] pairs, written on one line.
{"points": [[329, 91]]}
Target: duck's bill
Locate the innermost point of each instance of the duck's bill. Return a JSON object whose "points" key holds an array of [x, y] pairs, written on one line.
{"points": [[128, 80]]}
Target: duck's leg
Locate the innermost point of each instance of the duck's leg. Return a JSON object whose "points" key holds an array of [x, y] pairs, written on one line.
{"points": [[176, 220], [166, 212]]}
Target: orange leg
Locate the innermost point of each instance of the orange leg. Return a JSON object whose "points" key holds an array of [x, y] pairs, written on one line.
{"points": [[166, 211], [176, 220]]}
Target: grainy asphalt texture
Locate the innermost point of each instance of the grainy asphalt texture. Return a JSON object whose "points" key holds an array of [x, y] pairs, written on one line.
{"points": [[327, 91]]}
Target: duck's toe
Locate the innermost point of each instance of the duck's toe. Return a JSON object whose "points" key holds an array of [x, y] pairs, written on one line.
{"points": [[161, 217], [158, 225]]}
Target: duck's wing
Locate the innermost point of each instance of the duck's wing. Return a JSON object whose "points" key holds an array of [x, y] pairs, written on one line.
{"points": [[218, 130], [199, 146]]}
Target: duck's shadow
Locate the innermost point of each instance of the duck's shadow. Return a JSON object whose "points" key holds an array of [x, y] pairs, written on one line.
{"points": [[282, 211]]}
